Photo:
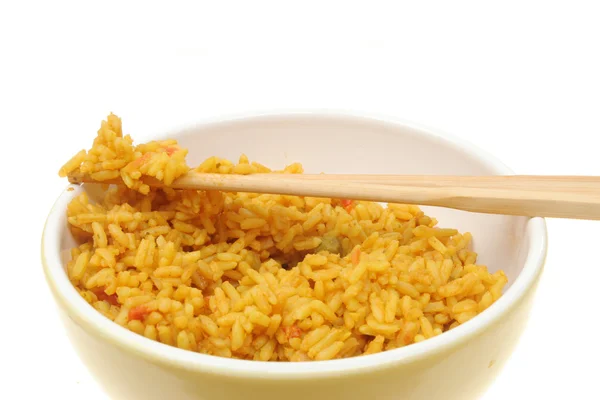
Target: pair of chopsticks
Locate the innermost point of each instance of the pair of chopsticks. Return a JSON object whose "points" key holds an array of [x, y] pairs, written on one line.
{"points": [[576, 197]]}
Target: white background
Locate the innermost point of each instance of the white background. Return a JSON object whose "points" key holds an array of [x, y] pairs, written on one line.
{"points": [[519, 79]]}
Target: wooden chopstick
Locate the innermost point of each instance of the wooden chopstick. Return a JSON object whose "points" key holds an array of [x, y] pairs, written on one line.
{"points": [[576, 197]]}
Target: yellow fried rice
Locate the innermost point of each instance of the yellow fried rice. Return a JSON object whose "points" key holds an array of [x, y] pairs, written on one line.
{"points": [[262, 277]]}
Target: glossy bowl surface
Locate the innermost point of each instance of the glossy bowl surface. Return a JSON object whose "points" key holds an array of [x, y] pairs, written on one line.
{"points": [[459, 364]]}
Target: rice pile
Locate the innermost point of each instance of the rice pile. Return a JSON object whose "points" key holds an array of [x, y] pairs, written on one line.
{"points": [[262, 277]]}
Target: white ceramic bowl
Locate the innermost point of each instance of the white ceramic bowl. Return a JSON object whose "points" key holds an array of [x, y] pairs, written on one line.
{"points": [[459, 364]]}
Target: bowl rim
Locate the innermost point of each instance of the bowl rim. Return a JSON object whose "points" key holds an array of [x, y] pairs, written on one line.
{"points": [[93, 322]]}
